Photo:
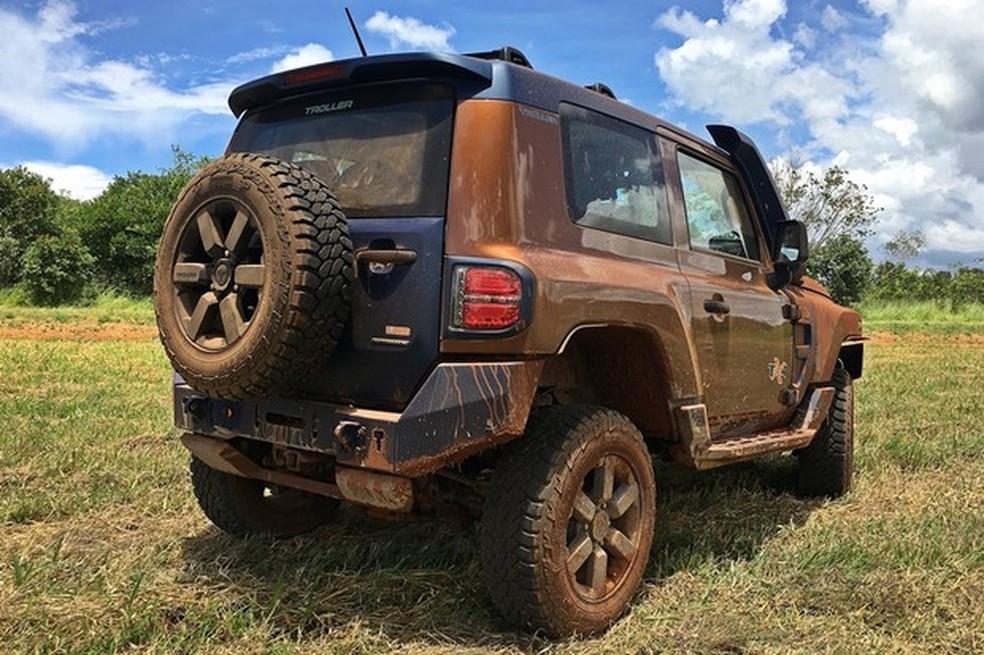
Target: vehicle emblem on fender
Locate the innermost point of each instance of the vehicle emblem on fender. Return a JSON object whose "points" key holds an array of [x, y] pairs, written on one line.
{"points": [[777, 370]]}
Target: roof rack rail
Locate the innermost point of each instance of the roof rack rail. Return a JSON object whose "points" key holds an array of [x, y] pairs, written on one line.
{"points": [[603, 89], [505, 53]]}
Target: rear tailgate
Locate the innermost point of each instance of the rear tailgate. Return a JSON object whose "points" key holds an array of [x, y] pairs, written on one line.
{"points": [[383, 149]]}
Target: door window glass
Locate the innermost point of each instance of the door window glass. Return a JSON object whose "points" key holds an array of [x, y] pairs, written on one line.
{"points": [[716, 214]]}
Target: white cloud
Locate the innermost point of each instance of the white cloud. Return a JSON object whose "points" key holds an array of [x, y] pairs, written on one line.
{"points": [[410, 32], [736, 68], [899, 109], [805, 36], [54, 86], [312, 53], [902, 128], [75, 181], [832, 20], [253, 55]]}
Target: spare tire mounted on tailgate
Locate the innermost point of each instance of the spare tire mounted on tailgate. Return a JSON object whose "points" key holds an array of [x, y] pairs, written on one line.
{"points": [[252, 275]]}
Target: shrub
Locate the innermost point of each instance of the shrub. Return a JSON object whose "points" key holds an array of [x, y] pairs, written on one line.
{"points": [[10, 261], [842, 264], [57, 269]]}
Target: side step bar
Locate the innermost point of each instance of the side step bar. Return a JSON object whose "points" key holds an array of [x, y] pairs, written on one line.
{"points": [[698, 450]]}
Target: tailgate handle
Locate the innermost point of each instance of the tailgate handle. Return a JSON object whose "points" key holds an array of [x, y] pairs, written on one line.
{"points": [[717, 307], [393, 256]]}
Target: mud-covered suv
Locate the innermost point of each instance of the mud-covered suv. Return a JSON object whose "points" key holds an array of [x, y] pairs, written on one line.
{"points": [[449, 283]]}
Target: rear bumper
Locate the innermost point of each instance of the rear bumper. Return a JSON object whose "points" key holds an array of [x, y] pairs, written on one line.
{"points": [[461, 409]]}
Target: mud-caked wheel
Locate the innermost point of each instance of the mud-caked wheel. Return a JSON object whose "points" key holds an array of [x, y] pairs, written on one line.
{"points": [[826, 466], [252, 275], [568, 525], [242, 507]]}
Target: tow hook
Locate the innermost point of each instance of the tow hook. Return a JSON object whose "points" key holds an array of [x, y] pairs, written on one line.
{"points": [[350, 436]]}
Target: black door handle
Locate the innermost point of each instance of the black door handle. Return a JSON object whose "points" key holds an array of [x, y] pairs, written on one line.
{"points": [[395, 256], [717, 307]]}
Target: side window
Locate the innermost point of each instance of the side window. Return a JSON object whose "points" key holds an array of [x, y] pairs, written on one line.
{"points": [[613, 176], [716, 213]]}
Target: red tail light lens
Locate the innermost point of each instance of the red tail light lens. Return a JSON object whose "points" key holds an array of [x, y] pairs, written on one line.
{"points": [[498, 282], [486, 298]]}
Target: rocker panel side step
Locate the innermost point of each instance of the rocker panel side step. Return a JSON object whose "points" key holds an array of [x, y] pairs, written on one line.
{"points": [[698, 450]]}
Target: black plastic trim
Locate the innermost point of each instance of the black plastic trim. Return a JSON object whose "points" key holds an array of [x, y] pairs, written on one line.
{"points": [[762, 187]]}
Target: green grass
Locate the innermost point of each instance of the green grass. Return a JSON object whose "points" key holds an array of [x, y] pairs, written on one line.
{"points": [[103, 549], [926, 317], [107, 307]]}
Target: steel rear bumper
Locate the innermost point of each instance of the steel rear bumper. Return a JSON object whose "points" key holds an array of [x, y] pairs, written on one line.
{"points": [[461, 408]]}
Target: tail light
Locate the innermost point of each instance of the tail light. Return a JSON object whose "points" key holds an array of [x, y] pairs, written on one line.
{"points": [[485, 298]]}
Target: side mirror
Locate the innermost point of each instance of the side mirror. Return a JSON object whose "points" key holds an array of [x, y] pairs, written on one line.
{"points": [[790, 251]]}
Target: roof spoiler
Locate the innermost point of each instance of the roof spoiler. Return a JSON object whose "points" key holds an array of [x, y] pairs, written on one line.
{"points": [[362, 70]]}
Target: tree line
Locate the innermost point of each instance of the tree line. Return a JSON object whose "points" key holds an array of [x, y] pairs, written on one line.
{"points": [[840, 214], [60, 251]]}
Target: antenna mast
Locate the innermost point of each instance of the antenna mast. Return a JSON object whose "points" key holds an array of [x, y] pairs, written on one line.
{"points": [[355, 30]]}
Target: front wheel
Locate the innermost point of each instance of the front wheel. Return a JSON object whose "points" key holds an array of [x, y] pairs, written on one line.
{"points": [[826, 466], [568, 524]]}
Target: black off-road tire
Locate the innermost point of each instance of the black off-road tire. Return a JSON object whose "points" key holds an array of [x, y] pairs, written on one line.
{"points": [[826, 466], [252, 277], [576, 492], [242, 507]]}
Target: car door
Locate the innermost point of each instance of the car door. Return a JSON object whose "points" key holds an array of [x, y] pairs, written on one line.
{"points": [[744, 344]]}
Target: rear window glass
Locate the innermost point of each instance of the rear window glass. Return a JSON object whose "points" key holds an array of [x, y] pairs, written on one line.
{"points": [[383, 151], [613, 176]]}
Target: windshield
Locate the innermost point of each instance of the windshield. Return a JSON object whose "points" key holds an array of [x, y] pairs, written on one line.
{"points": [[383, 151]]}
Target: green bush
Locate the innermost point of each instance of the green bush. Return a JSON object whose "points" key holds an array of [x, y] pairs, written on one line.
{"points": [[122, 226], [967, 287], [57, 269], [10, 261], [842, 265]]}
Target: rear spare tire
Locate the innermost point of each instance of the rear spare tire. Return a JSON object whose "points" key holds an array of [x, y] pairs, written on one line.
{"points": [[252, 277]]}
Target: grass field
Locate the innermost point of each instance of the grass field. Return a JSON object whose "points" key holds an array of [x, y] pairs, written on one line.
{"points": [[102, 548]]}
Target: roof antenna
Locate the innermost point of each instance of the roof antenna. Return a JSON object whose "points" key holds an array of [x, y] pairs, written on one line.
{"points": [[355, 30]]}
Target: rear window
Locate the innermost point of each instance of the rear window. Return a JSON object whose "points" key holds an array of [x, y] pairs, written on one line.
{"points": [[613, 176], [383, 151]]}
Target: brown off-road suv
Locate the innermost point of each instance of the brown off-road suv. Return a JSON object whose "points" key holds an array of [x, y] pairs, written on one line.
{"points": [[438, 282]]}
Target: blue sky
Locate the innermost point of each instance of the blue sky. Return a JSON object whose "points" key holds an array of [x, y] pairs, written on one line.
{"points": [[889, 89]]}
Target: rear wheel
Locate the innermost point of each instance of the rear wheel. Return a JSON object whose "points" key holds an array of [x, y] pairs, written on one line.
{"points": [[826, 466], [568, 525], [242, 507]]}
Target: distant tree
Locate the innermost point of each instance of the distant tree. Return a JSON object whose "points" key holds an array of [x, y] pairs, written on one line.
{"points": [[11, 253], [839, 215], [122, 226], [844, 267], [905, 245], [966, 287], [828, 201], [57, 268], [27, 212]]}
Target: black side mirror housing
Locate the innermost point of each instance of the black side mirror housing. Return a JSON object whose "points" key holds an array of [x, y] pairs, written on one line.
{"points": [[790, 251]]}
